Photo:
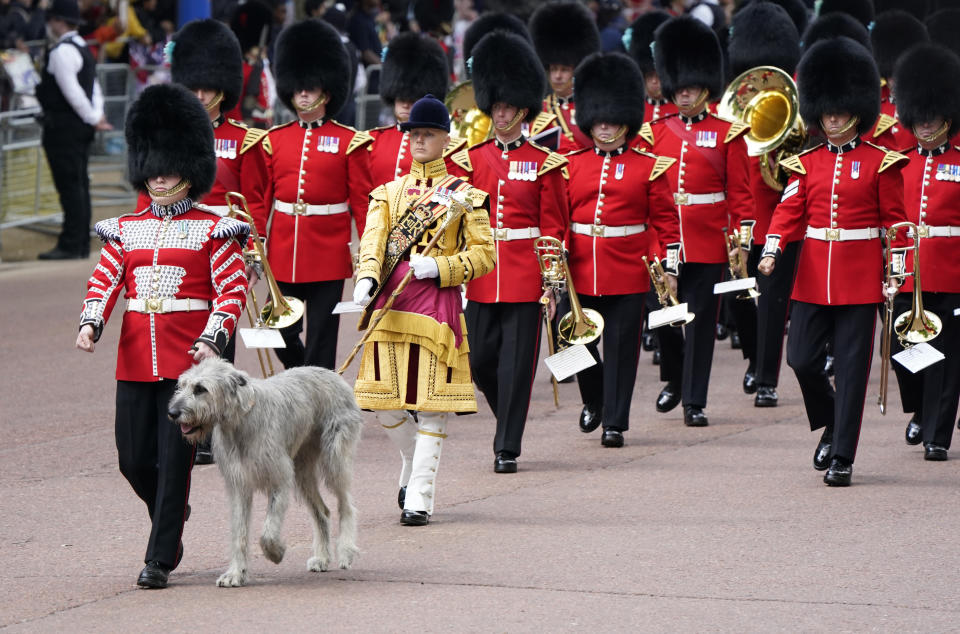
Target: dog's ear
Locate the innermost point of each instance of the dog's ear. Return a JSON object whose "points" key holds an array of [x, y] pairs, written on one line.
{"points": [[242, 389]]}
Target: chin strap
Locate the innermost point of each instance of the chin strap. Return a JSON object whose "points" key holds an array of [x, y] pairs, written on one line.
{"points": [[521, 114], [215, 101], [322, 99], [932, 137], [849, 126], [176, 189], [616, 137]]}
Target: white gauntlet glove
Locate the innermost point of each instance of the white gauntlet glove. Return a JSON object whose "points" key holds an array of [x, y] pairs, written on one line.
{"points": [[424, 267], [361, 292]]}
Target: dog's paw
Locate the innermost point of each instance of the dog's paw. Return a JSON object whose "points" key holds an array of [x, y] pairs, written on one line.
{"points": [[273, 549], [232, 579], [346, 555], [318, 564]]}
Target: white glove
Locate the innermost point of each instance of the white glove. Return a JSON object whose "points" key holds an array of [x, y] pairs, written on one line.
{"points": [[424, 267], [361, 292]]}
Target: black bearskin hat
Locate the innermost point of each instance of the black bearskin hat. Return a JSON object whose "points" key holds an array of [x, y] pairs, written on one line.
{"points": [[836, 25], [686, 53], [506, 68], [861, 10], [248, 22], [639, 37], [488, 23], [609, 90], [927, 80], [564, 33], [168, 132], [917, 8], [206, 54], [893, 34], [433, 16], [414, 65], [796, 9], [763, 35], [310, 55], [839, 75], [943, 27]]}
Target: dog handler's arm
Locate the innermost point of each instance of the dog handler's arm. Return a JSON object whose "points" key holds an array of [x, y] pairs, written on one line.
{"points": [[229, 285], [201, 351]]}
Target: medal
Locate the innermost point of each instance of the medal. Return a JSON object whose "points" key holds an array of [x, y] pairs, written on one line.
{"points": [[182, 227], [855, 170], [512, 173], [706, 138], [619, 173], [329, 144]]}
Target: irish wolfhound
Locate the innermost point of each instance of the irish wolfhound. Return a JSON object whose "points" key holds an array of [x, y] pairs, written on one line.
{"points": [[269, 435]]}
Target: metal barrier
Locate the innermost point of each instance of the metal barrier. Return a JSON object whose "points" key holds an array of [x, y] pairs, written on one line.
{"points": [[369, 104], [27, 194]]}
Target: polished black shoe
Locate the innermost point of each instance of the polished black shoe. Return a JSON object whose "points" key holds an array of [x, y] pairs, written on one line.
{"points": [[590, 418], [612, 438], [934, 452], [735, 343], [828, 365], [693, 416], [154, 575], [656, 361], [839, 473], [414, 518], [668, 398], [402, 497], [722, 332], [504, 463], [749, 382], [914, 432], [821, 457], [649, 341], [766, 396], [57, 253]]}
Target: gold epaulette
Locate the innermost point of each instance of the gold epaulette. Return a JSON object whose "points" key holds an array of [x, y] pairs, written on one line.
{"points": [[736, 129], [360, 138], [794, 164], [565, 172], [661, 163], [552, 161], [541, 123], [646, 133], [477, 196], [889, 157], [462, 159], [453, 146], [252, 137], [884, 123]]}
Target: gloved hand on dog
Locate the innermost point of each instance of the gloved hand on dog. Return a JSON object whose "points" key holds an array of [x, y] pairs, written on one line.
{"points": [[424, 267], [361, 292]]}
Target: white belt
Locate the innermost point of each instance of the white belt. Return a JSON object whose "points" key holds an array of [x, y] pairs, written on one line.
{"points": [[166, 305], [605, 231], [842, 235], [220, 210], [303, 209], [505, 235], [680, 198], [927, 231]]}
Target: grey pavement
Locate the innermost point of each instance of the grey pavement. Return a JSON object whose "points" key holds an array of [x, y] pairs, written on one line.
{"points": [[724, 528]]}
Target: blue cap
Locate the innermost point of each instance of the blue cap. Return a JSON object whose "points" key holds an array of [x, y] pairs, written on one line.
{"points": [[428, 112]]}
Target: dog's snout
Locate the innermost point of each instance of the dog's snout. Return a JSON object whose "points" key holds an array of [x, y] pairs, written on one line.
{"points": [[173, 413]]}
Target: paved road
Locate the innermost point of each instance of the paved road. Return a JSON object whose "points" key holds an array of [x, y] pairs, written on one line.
{"points": [[724, 528]]}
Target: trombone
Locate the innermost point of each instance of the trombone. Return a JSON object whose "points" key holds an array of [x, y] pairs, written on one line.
{"points": [[914, 326], [664, 294], [738, 264], [279, 311]]}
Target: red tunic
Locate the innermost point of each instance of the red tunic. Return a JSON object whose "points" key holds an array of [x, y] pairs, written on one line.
{"points": [[527, 192], [931, 192], [190, 254], [624, 189], [711, 161], [321, 165], [263, 99], [834, 188], [565, 110], [657, 109]]}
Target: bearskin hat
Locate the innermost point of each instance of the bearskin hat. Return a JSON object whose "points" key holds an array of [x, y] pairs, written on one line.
{"points": [[917, 8], [686, 52], [248, 22], [639, 36], [414, 65], [763, 35], [943, 27], [168, 132], [564, 33], [894, 32], [309, 54], [506, 68], [489, 22], [206, 54], [939, 5], [839, 75], [927, 80], [433, 16], [860, 10], [836, 25], [796, 9], [609, 90]]}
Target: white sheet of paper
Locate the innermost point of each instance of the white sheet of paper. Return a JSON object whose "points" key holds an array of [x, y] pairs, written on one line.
{"points": [[262, 338], [734, 285], [920, 356], [569, 361], [956, 311], [666, 316], [347, 307]]}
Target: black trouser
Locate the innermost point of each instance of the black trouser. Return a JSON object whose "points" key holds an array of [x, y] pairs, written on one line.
{"points": [[686, 357], [322, 325], [156, 461], [850, 329], [66, 142], [504, 343], [609, 383], [772, 307], [933, 392], [744, 312]]}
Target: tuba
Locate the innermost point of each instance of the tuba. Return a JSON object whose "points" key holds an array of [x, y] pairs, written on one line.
{"points": [[580, 325], [765, 98], [664, 294], [914, 326], [466, 119]]}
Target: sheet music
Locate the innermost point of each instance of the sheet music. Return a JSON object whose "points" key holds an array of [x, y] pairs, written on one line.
{"points": [[347, 307], [918, 357], [735, 285], [569, 361], [261, 338], [666, 316]]}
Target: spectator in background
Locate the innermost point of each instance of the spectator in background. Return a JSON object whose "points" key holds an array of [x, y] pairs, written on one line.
{"points": [[251, 23], [611, 23], [362, 28]]}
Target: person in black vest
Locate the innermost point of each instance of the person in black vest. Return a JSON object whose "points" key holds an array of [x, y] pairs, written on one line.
{"points": [[72, 111]]}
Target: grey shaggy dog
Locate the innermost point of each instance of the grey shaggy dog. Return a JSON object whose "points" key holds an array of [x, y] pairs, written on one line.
{"points": [[273, 435]]}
